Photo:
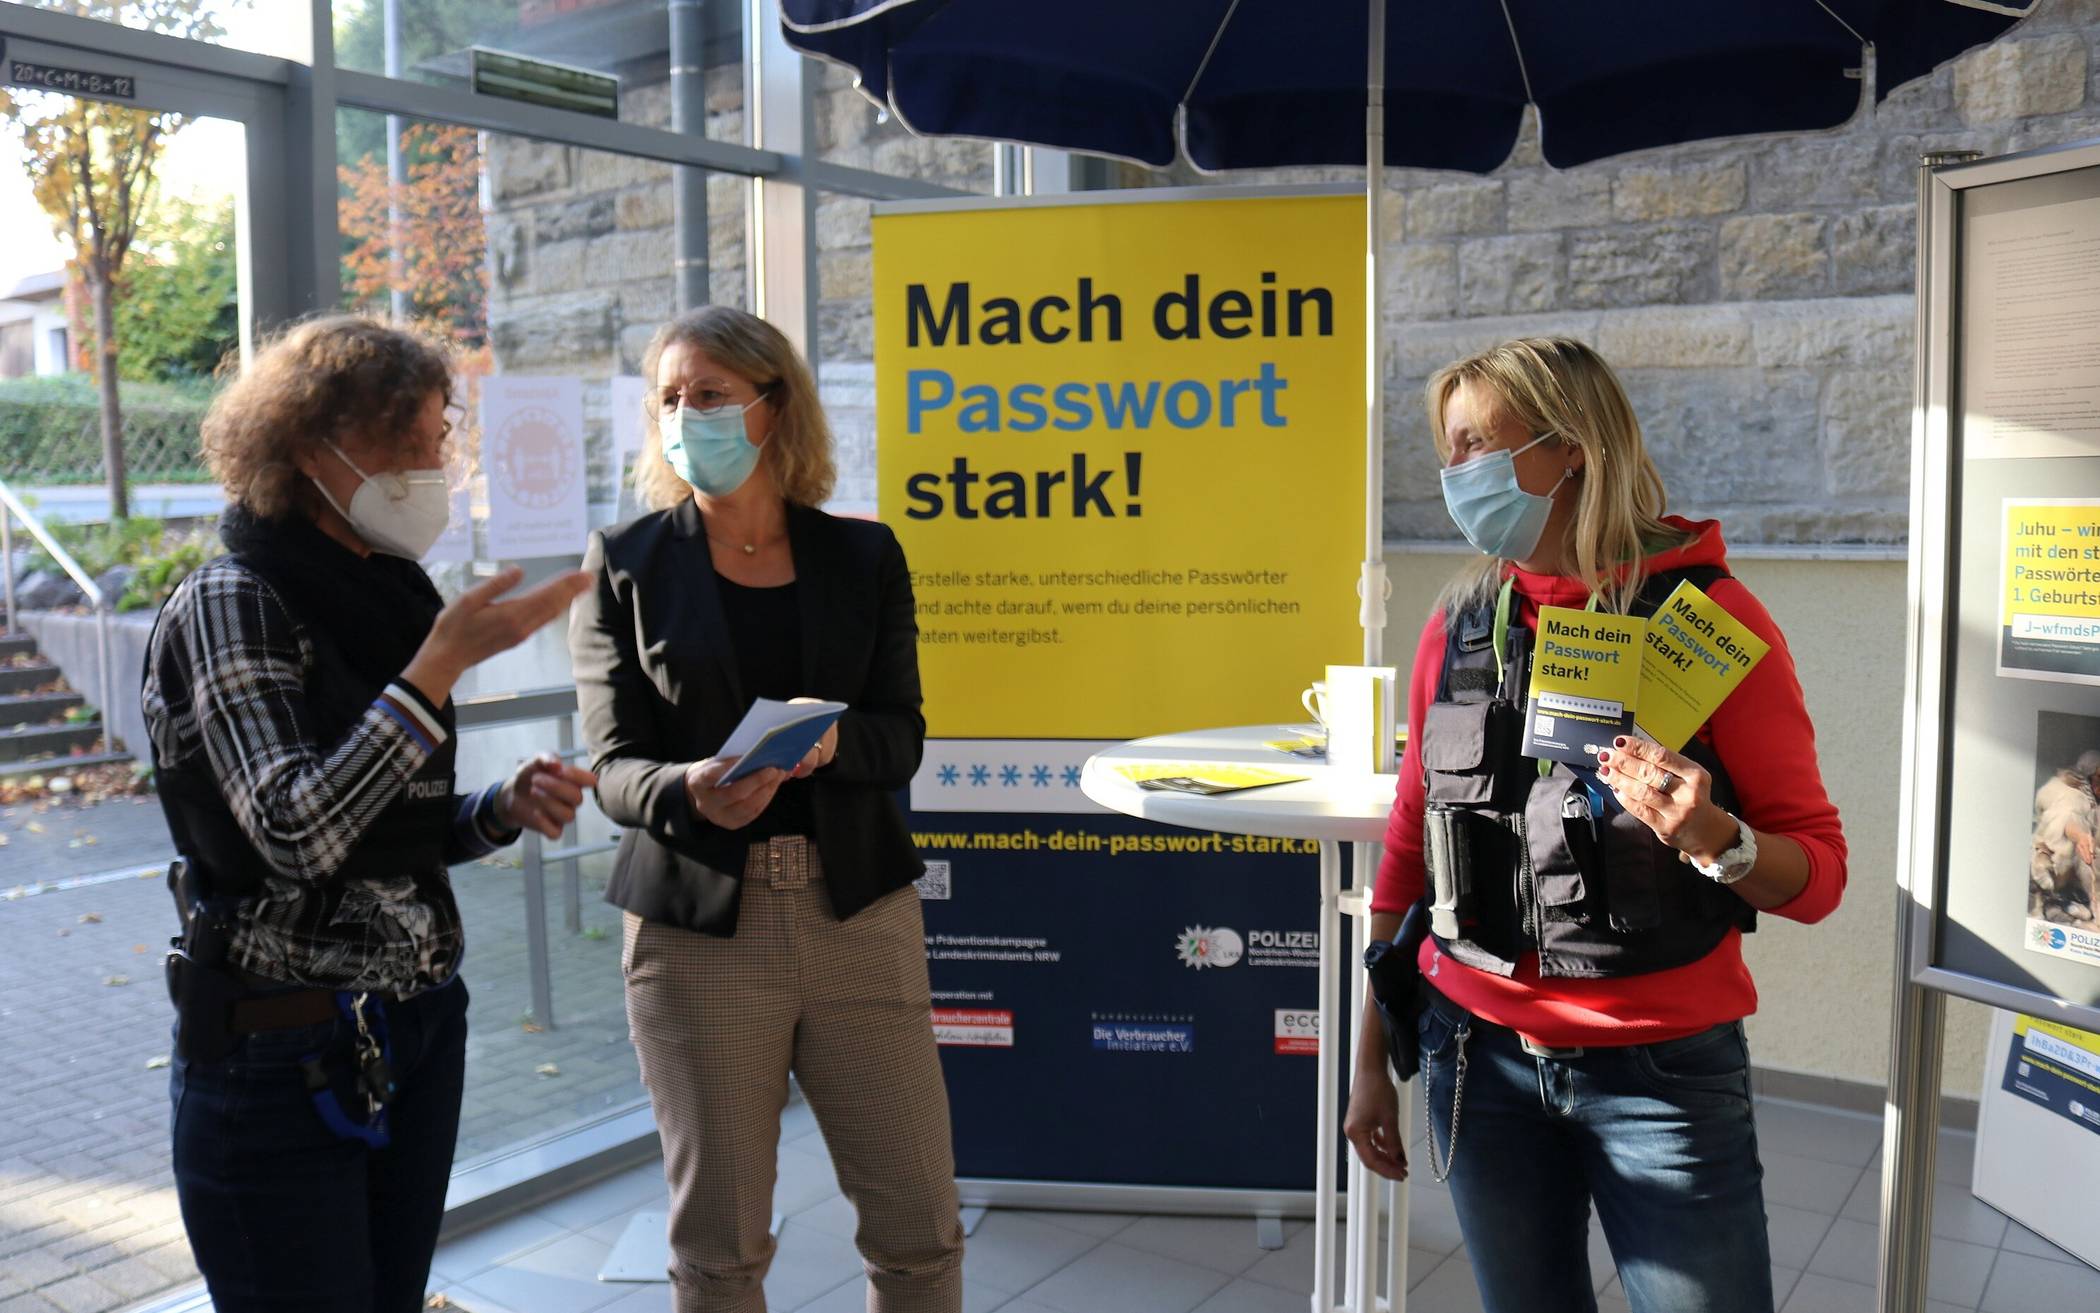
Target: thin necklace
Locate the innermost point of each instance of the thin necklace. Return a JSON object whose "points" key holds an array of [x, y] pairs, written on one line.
{"points": [[750, 549]]}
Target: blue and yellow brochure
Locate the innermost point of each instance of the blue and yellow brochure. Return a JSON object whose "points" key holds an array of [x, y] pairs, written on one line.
{"points": [[1585, 683], [1697, 655], [1595, 677]]}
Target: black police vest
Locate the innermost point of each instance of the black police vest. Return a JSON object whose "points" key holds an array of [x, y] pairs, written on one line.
{"points": [[405, 842], [1516, 861]]}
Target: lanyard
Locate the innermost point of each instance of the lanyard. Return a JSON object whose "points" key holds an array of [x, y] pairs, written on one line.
{"points": [[1505, 602]]}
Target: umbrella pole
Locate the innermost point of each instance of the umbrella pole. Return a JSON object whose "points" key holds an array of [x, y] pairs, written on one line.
{"points": [[1371, 584]]}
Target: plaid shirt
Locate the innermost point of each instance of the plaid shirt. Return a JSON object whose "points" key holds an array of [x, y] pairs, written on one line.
{"points": [[225, 695]]}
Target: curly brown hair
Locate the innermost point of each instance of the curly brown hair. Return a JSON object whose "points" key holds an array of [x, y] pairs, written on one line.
{"points": [[319, 381]]}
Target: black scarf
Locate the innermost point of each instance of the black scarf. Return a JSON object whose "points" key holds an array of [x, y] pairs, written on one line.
{"points": [[371, 612]]}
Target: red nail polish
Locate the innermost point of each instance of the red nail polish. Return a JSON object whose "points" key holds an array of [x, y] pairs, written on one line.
{"points": [[1619, 742]]}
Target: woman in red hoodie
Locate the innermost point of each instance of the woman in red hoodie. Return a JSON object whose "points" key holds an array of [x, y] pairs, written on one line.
{"points": [[1583, 981]]}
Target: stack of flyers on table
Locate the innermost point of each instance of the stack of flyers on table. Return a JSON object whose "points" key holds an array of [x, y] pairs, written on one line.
{"points": [[1595, 676], [1203, 777]]}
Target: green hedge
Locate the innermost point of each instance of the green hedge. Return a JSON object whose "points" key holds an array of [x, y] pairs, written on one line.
{"points": [[51, 431]]}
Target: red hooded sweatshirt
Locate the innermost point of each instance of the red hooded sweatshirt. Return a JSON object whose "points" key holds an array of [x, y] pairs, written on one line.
{"points": [[1762, 735]]}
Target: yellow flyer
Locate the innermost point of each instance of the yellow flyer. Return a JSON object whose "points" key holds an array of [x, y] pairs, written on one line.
{"points": [[1585, 681], [2049, 621], [1696, 654], [1121, 441]]}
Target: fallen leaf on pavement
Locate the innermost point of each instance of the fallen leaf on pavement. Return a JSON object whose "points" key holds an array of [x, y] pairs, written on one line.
{"points": [[116, 980], [532, 1028], [546, 1069], [155, 1064], [91, 918], [138, 948]]}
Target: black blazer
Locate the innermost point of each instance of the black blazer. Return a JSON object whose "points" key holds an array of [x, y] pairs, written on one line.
{"points": [[657, 684]]}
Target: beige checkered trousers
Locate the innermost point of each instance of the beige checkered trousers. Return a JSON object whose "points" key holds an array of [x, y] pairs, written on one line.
{"points": [[720, 1022]]}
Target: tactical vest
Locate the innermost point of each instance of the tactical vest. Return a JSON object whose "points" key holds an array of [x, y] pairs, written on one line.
{"points": [[405, 843], [1517, 860]]}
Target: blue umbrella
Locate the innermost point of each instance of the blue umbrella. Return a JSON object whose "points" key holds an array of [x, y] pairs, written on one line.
{"points": [[1239, 84]]}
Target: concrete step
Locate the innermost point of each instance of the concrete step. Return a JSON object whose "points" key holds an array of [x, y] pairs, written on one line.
{"points": [[47, 765], [29, 742], [16, 645], [37, 708], [23, 679]]}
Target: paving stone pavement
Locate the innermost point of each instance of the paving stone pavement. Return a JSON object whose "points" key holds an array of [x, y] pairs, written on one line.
{"points": [[88, 1216]]}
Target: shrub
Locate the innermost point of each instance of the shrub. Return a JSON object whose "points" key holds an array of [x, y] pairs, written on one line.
{"points": [[51, 430]]}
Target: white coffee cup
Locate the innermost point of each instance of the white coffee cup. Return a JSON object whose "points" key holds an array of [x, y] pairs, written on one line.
{"points": [[1314, 700]]}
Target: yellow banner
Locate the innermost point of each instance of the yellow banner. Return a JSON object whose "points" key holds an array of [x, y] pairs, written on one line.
{"points": [[1122, 445]]}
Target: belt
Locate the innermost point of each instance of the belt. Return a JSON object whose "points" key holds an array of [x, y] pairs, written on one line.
{"points": [[785, 862], [1529, 1045], [286, 1009]]}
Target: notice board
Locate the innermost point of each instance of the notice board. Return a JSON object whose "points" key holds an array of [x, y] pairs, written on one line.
{"points": [[2003, 819]]}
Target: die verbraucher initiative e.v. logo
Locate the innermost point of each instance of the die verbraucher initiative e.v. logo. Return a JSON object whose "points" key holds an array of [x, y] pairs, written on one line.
{"points": [[1217, 946]]}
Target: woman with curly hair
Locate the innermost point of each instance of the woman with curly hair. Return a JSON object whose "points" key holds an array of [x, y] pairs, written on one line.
{"points": [[298, 698]]}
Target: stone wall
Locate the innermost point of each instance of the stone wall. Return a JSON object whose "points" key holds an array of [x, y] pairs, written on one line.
{"points": [[1754, 293], [849, 130], [581, 245], [582, 251]]}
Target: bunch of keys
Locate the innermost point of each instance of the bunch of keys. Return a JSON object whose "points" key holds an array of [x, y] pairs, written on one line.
{"points": [[375, 1075]]}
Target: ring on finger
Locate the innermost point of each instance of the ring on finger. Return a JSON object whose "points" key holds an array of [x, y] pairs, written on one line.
{"points": [[1667, 784]]}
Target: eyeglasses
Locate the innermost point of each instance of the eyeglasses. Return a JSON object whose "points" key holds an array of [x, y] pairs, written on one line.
{"points": [[706, 404]]}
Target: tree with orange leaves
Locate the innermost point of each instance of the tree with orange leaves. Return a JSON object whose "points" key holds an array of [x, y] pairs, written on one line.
{"points": [[428, 232], [92, 164]]}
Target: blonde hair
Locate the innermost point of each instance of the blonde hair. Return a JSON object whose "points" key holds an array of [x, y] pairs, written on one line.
{"points": [[798, 450], [1559, 386], [319, 381]]}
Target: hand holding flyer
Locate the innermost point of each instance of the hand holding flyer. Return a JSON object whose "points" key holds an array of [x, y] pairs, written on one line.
{"points": [[776, 734]]}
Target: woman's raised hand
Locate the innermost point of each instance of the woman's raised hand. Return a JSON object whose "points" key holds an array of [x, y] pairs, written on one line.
{"points": [[476, 625]]}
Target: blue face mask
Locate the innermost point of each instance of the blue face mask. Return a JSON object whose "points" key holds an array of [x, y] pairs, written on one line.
{"points": [[1491, 509], [710, 452]]}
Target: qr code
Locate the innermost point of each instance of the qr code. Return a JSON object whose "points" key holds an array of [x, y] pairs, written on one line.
{"points": [[1542, 723], [935, 883]]}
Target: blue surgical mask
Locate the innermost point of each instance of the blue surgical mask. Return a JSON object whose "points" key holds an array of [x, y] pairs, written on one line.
{"points": [[709, 451], [1492, 509]]}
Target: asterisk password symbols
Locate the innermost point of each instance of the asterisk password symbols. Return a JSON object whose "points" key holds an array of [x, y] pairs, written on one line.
{"points": [[949, 775]]}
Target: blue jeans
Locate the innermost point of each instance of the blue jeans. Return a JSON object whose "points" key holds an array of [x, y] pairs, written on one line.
{"points": [[1658, 1135], [282, 1212]]}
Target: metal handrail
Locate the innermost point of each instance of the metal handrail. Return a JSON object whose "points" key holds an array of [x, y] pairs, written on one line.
{"points": [[520, 707], [11, 508]]}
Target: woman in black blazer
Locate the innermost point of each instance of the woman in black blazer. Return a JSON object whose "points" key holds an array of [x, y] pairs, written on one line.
{"points": [[771, 924]]}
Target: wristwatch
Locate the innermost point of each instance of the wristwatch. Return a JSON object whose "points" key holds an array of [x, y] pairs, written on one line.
{"points": [[1736, 862]]}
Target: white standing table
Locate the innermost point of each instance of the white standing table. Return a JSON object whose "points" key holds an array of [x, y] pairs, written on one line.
{"points": [[1332, 808]]}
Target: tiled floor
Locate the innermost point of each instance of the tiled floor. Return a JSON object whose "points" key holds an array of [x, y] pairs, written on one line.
{"points": [[1822, 1190]]}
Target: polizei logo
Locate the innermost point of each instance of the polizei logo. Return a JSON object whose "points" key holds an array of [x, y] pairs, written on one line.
{"points": [[1283, 948], [1202, 946]]}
